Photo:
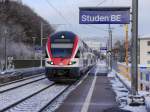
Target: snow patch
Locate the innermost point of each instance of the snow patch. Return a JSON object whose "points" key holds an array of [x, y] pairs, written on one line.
{"points": [[135, 109], [111, 74], [122, 92]]}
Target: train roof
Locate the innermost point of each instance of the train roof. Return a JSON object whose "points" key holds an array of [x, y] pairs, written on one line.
{"points": [[66, 34]]}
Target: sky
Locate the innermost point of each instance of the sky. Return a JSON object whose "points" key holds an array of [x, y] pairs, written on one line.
{"points": [[66, 14]]}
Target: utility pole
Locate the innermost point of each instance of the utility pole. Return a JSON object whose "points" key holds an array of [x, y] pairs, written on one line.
{"points": [[41, 45], [135, 98], [134, 54]]}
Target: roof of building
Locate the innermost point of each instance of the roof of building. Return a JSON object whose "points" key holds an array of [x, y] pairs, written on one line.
{"points": [[147, 36]]}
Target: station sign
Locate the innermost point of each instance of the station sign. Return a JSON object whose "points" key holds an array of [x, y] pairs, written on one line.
{"points": [[38, 49], [104, 15], [103, 48]]}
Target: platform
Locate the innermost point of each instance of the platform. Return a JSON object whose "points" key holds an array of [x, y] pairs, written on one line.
{"points": [[95, 94]]}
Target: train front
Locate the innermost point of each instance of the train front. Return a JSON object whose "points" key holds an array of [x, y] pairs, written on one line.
{"points": [[62, 62]]}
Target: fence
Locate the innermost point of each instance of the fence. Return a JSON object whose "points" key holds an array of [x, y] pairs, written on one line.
{"points": [[143, 75], [24, 64]]}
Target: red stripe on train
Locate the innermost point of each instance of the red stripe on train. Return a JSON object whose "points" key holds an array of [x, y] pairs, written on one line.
{"points": [[75, 46], [49, 47]]}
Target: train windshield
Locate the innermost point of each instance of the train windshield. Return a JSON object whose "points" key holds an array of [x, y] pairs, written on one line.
{"points": [[61, 52]]}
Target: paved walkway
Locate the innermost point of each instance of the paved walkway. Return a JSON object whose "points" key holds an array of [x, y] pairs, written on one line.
{"points": [[95, 94]]}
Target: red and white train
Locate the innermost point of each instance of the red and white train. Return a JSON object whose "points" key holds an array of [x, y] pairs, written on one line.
{"points": [[67, 57]]}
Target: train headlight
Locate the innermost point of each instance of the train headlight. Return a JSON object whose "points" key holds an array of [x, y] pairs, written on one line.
{"points": [[50, 62], [72, 62]]}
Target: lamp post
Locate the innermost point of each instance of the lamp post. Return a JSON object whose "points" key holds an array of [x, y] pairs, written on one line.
{"points": [[41, 45], [5, 48], [34, 38]]}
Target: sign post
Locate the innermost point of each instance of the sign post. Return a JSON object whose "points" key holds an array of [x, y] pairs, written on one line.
{"points": [[103, 48], [39, 50], [134, 80]]}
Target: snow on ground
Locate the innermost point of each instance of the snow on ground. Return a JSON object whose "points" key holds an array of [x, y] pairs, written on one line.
{"points": [[38, 101], [122, 94], [125, 80], [6, 71], [135, 109], [3, 72], [111, 75], [13, 85], [59, 100], [10, 97], [147, 101], [18, 70]]}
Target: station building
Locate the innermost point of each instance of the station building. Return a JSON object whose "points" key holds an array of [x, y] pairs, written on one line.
{"points": [[144, 49]]}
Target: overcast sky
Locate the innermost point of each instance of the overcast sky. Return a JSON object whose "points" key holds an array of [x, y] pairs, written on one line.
{"points": [[67, 12]]}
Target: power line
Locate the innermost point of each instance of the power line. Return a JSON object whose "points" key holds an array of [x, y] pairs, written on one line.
{"points": [[59, 13], [95, 26], [101, 3]]}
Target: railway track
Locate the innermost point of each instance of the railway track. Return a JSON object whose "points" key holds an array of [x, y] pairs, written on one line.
{"points": [[19, 83], [20, 74], [20, 80], [36, 102], [31, 95]]}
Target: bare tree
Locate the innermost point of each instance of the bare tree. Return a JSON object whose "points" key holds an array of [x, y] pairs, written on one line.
{"points": [[22, 24]]}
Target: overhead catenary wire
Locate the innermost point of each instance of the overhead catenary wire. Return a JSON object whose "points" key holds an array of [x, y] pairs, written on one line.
{"points": [[58, 12], [101, 3], [62, 16], [95, 26]]}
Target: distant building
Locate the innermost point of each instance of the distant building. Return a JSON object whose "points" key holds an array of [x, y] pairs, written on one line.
{"points": [[144, 49], [95, 44]]}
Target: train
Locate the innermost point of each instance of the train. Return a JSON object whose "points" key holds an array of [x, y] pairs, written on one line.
{"points": [[67, 57]]}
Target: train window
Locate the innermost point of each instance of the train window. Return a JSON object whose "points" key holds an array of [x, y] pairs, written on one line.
{"points": [[61, 52], [77, 54], [148, 43], [60, 45]]}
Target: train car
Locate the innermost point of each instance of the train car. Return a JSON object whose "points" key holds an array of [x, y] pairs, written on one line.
{"points": [[67, 57]]}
